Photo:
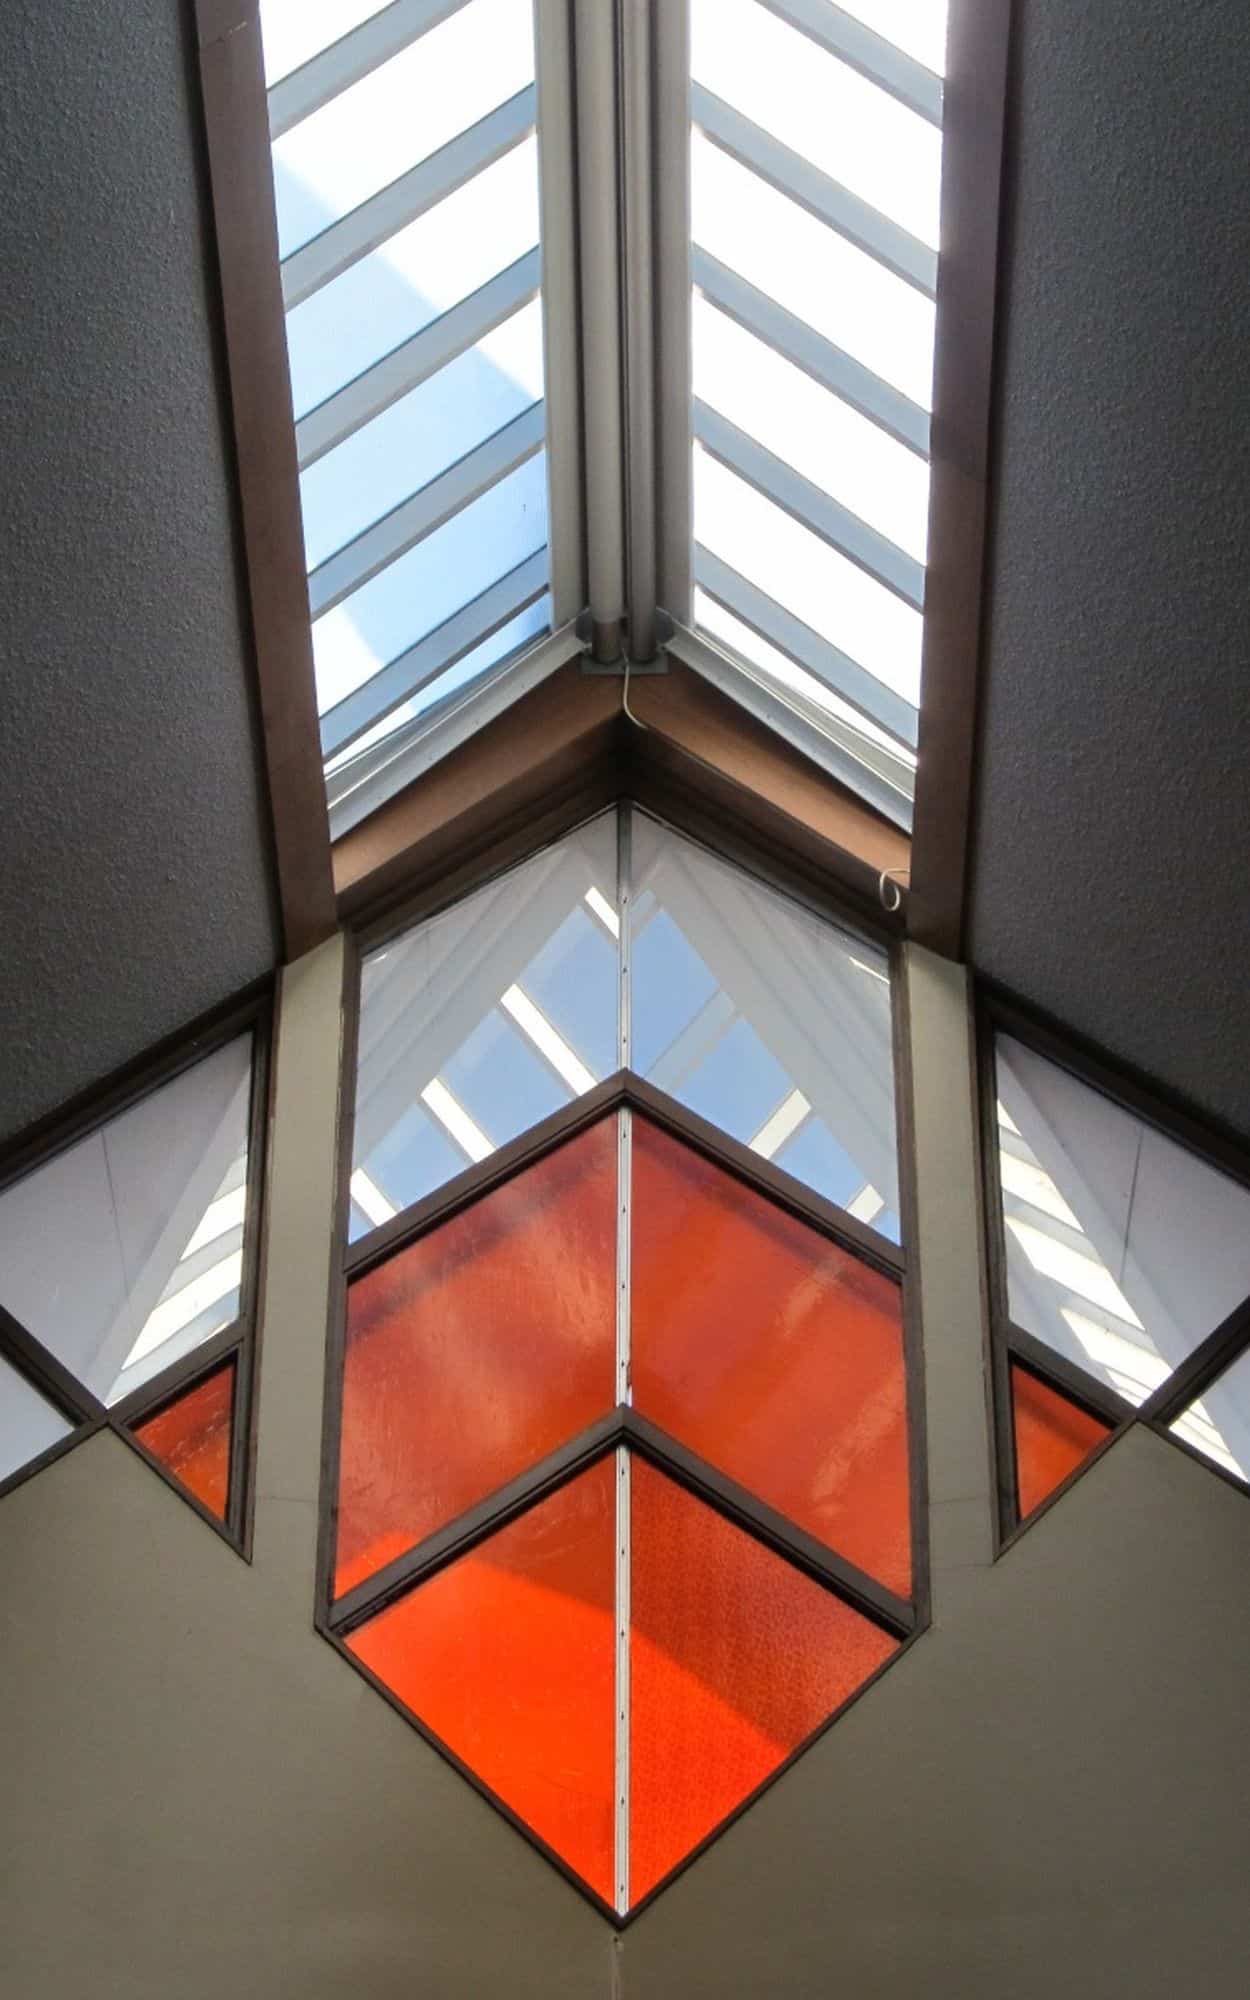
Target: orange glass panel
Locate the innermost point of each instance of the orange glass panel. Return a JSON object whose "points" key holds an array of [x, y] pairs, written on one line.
{"points": [[191, 1437], [772, 1353], [735, 1658], [1053, 1436], [508, 1655], [477, 1351]]}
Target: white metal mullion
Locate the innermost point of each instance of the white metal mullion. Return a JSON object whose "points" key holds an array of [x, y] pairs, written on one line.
{"points": [[670, 286], [595, 54], [638, 329], [566, 535], [624, 1390]]}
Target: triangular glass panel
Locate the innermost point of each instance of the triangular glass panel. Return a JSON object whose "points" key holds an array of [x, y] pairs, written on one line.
{"points": [[736, 1658], [124, 1253], [477, 1350], [484, 1020], [192, 1435], [29, 1423], [1053, 1437], [1124, 1249], [1218, 1423], [508, 1656], [771, 1352], [767, 1021]]}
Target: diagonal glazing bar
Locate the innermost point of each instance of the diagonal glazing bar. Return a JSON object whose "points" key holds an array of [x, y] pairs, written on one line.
{"points": [[415, 360], [827, 364], [823, 738], [418, 665], [332, 252], [791, 636], [352, 57], [863, 50], [797, 178], [826, 517], [414, 519]]}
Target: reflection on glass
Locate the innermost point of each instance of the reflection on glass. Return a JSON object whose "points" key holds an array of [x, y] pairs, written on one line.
{"points": [[1124, 1250], [485, 1020], [1218, 1424], [28, 1422], [399, 114], [879, 319], [814, 582], [125, 1252], [846, 126], [770, 1023], [423, 588], [295, 31], [417, 274], [422, 434], [918, 27]]}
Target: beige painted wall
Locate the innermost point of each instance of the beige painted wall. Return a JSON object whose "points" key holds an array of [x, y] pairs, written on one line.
{"points": [[1045, 1796]]}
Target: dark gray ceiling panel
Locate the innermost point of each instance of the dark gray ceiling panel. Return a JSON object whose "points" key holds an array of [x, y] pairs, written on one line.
{"points": [[1112, 860], [136, 886]]}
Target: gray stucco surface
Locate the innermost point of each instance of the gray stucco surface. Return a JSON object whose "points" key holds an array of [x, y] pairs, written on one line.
{"points": [[136, 888], [1112, 884]]}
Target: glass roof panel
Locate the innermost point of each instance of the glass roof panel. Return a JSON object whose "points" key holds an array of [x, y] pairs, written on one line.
{"points": [[406, 162], [815, 186], [371, 133]]}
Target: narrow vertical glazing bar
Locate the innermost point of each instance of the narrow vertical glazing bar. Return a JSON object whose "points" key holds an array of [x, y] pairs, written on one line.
{"points": [[622, 1680], [594, 50], [670, 121], [639, 327], [624, 905], [624, 1392], [553, 56]]}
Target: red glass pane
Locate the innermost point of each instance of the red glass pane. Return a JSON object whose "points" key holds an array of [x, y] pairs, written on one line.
{"points": [[1053, 1436], [191, 1437], [772, 1353], [735, 1658], [477, 1351], [509, 1656]]}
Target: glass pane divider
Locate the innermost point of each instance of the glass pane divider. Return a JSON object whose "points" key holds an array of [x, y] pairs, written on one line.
{"points": [[621, 1710]]}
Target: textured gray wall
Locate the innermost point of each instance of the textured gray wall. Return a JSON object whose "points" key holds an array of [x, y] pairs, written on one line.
{"points": [[135, 889], [1112, 882]]}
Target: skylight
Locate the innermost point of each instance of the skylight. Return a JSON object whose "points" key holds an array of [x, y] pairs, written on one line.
{"points": [[405, 162], [815, 177]]}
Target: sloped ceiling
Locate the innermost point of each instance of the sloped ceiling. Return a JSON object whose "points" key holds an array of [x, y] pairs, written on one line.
{"points": [[135, 890], [1112, 860]]}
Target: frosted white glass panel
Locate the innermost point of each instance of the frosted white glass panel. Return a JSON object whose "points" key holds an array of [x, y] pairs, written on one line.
{"points": [[28, 1422], [765, 1020], [479, 1023], [1124, 1249], [125, 1252]]}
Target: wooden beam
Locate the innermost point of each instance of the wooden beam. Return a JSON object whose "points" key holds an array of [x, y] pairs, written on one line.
{"points": [[233, 88], [972, 151]]}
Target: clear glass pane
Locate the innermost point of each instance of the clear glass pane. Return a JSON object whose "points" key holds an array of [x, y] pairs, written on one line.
{"points": [[918, 27], [124, 1252], [879, 319], [846, 126], [414, 276], [1124, 1250], [711, 617], [295, 31], [486, 1019], [423, 588], [761, 1018], [369, 135], [823, 438], [28, 1422], [420, 436], [833, 595], [1218, 1424]]}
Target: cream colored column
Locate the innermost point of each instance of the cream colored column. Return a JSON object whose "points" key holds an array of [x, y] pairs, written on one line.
{"points": [[295, 1281], [951, 1269]]}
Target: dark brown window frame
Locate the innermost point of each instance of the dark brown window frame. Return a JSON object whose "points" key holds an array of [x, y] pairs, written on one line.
{"points": [[251, 1013], [906, 1621], [997, 1012]]}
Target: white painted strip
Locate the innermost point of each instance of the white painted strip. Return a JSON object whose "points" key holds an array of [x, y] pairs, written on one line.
{"points": [[781, 1125], [867, 1205], [599, 906], [534, 1024], [227, 1212], [622, 1679], [456, 1121], [370, 1199], [1084, 1275]]}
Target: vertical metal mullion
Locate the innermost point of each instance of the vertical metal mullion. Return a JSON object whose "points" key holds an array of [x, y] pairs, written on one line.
{"points": [[638, 330], [670, 121], [598, 219], [624, 907], [622, 1680]]}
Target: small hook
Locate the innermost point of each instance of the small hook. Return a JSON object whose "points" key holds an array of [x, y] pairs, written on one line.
{"points": [[888, 888]]}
